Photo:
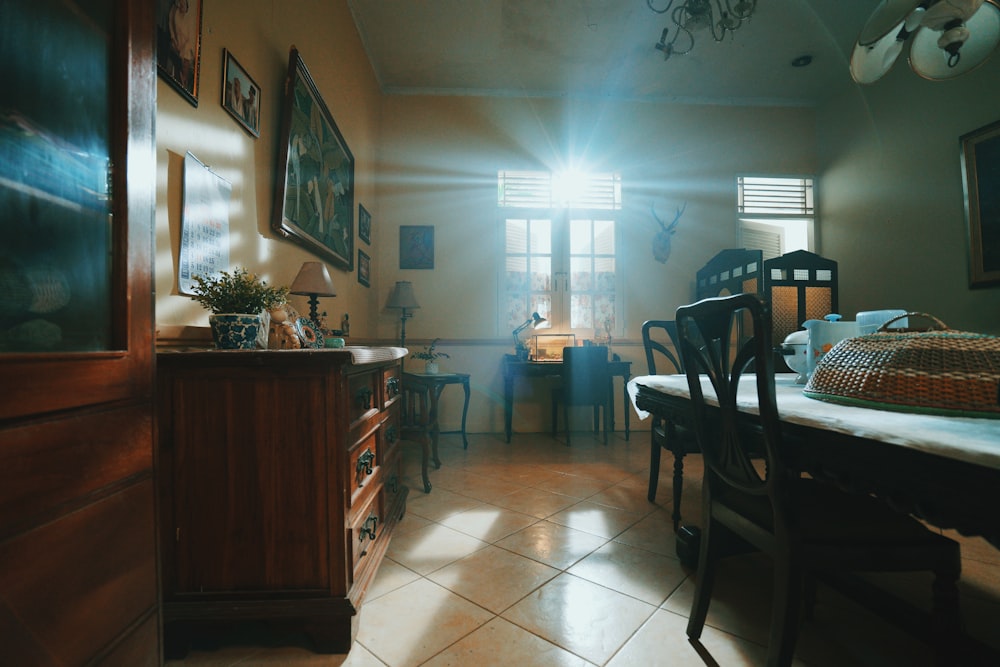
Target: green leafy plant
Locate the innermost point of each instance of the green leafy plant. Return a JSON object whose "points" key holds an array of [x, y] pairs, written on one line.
{"points": [[237, 292], [429, 353]]}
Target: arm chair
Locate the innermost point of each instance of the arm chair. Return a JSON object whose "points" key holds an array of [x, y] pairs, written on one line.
{"points": [[809, 528], [664, 434], [586, 381]]}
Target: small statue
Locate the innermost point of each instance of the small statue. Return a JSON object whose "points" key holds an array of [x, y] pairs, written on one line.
{"points": [[345, 325]]}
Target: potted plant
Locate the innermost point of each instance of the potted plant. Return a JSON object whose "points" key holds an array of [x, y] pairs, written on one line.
{"points": [[238, 303], [430, 355]]}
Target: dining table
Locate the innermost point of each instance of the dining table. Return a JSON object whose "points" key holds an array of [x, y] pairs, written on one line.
{"points": [[942, 469]]}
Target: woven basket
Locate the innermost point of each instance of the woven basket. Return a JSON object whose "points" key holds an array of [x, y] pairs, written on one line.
{"points": [[935, 371]]}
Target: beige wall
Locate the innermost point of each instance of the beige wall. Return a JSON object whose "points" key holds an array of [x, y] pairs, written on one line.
{"points": [[892, 201], [259, 34]]}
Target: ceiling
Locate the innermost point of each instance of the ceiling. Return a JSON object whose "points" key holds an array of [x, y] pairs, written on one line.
{"points": [[605, 49]]}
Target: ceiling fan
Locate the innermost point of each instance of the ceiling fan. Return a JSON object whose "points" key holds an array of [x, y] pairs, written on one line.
{"points": [[949, 37]]}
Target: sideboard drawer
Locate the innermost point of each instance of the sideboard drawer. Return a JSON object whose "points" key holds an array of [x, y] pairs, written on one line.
{"points": [[363, 468], [366, 529], [364, 396]]}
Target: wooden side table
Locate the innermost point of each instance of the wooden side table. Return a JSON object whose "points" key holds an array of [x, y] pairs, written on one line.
{"points": [[421, 394]]}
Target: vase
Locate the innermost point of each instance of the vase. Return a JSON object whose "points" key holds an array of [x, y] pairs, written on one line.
{"points": [[234, 331], [431, 368]]}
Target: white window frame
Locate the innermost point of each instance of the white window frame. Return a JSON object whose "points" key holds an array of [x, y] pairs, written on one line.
{"points": [[784, 206]]}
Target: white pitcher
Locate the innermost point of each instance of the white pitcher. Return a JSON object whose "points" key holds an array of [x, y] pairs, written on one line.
{"points": [[823, 335]]}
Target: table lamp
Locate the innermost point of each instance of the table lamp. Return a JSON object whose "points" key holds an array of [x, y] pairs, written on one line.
{"points": [[532, 322], [402, 298], [313, 281]]}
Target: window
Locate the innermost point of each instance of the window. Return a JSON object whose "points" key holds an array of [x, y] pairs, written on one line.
{"points": [[560, 235], [776, 214]]}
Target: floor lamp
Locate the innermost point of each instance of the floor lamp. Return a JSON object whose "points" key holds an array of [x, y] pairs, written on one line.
{"points": [[403, 299]]}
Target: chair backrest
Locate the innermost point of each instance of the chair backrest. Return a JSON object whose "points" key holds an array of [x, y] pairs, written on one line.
{"points": [[585, 375], [705, 330], [731, 271], [799, 286], [655, 335]]}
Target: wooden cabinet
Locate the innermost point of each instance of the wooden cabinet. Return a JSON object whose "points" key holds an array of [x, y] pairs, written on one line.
{"points": [[78, 572], [279, 487]]}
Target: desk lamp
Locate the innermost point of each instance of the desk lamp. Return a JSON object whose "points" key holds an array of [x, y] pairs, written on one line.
{"points": [[313, 281], [402, 298], [519, 348]]}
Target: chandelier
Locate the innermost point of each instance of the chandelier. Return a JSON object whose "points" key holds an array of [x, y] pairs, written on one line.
{"points": [[720, 17]]}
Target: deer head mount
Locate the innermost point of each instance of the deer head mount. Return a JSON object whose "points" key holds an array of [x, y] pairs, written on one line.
{"points": [[661, 242]]}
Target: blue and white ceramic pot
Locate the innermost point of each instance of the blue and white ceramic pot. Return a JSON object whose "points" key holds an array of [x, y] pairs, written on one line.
{"points": [[234, 331]]}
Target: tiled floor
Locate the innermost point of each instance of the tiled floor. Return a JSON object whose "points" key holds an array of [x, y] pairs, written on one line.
{"points": [[534, 553]]}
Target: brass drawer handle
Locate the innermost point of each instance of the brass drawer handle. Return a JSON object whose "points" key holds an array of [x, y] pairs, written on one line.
{"points": [[394, 484], [369, 531], [392, 386], [364, 465]]}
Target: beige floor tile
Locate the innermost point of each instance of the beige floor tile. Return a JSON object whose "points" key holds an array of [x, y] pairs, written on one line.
{"points": [[596, 519], [483, 488], [580, 616], [663, 642], [552, 544], [642, 574], [430, 548], [409, 625], [502, 643], [489, 523], [391, 575], [438, 504], [361, 657], [536, 502], [569, 485], [493, 578], [654, 532], [629, 495]]}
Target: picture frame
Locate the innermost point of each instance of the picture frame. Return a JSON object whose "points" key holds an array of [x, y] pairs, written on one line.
{"points": [[240, 94], [981, 182], [416, 247], [364, 268], [314, 196], [178, 45], [364, 225]]}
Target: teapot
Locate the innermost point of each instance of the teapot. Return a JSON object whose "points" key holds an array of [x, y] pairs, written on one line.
{"points": [[795, 349], [823, 335]]}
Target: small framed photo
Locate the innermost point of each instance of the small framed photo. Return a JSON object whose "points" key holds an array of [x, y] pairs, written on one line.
{"points": [[416, 247], [240, 94], [364, 225], [364, 268], [178, 45]]}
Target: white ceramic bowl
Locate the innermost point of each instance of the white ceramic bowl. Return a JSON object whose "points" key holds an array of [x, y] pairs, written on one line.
{"points": [[796, 349]]}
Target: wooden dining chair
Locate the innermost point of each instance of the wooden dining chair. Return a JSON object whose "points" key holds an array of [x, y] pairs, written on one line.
{"points": [[586, 380], [750, 488], [664, 434]]}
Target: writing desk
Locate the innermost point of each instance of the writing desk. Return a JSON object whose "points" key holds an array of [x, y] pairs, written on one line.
{"points": [[945, 470], [513, 368]]}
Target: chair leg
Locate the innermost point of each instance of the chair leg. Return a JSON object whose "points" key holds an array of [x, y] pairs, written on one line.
{"points": [[654, 469], [786, 609], [678, 485], [704, 581]]}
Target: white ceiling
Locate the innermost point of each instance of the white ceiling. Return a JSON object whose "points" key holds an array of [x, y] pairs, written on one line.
{"points": [[605, 49]]}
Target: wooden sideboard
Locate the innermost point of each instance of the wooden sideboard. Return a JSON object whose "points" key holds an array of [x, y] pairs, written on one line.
{"points": [[279, 478]]}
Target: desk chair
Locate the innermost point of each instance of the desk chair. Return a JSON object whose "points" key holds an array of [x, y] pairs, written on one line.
{"points": [[750, 489], [586, 381], [664, 434]]}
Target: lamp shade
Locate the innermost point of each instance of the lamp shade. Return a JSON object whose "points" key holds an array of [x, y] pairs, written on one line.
{"points": [[402, 296], [313, 279]]}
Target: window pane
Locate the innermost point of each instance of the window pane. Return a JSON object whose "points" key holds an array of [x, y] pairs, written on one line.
{"points": [[517, 274], [517, 236], [580, 238], [581, 313], [604, 234], [542, 304], [604, 270], [541, 237], [581, 275], [517, 311], [541, 274]]}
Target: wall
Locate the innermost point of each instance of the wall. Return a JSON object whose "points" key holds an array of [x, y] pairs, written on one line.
{"points": [[259, 34], [892, 200]]}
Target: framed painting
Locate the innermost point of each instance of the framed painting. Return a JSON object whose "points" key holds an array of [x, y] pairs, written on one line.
{"points": [[416, 247], [178, 45], [314, 197], [364, 268], [364, 225], [240, 94], [981, 179]]}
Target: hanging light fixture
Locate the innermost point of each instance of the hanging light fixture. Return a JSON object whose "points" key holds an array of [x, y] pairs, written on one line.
{"points": [[719, 17]]}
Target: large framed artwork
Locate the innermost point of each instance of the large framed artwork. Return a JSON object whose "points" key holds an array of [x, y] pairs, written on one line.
{"points": [[314, 197], [981, 178], [178, 45]]}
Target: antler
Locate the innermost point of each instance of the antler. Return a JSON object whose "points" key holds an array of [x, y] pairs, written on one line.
{"points": [[673, 223]]}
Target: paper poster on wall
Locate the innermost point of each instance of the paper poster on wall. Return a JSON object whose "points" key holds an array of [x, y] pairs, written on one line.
{"points": [[204, 224]]}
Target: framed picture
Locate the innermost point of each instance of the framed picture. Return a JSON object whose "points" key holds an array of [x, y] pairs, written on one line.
{"points": [[240, 94], [364, 225], [416, 247], [314, 197], [981, 178], [178, 45], [364, 268]]}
